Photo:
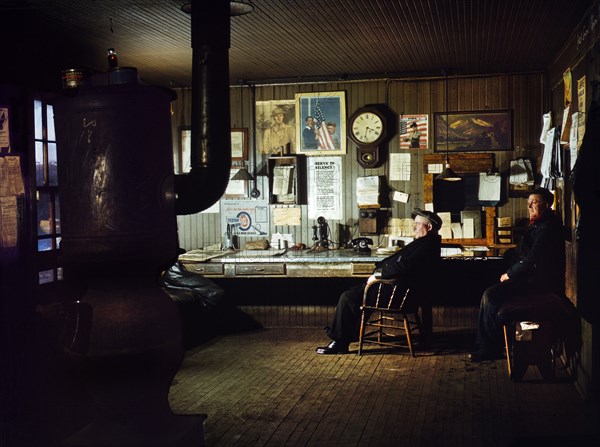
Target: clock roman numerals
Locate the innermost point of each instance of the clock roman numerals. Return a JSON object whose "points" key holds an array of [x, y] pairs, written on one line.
{"points": [[367, 127]]}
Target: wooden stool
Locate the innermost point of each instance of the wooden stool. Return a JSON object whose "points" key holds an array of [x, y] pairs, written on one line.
{"points": [[533, 326]]}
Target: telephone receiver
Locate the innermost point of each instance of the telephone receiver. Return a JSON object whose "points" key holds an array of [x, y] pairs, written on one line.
{"points": [[362, 244]]}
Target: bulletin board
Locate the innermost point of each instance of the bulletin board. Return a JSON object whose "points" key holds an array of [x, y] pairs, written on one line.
{"points": [[462, 164]]}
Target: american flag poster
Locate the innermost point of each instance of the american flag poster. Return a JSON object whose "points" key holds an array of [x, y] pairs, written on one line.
{"points": [[321, 119], [414, 132]]}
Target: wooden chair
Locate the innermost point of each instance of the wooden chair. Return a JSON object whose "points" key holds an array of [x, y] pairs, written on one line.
{"points": [[382, 320]]}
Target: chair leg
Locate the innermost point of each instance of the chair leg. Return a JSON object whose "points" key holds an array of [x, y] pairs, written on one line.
{"points": [[407, 331], [507, 349], [361, 332]]}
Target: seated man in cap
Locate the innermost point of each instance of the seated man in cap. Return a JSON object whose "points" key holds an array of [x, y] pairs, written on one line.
{"points": [[411, 265]]}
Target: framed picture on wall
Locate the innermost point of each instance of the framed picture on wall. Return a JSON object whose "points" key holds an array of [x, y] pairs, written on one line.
{"points": [[414, 132], [239, 149], [321, 118], [275, 127], [239, 144], [486, 130]]}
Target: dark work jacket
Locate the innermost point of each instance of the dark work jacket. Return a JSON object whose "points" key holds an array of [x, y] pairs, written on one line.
{"points": [[414, 263], [539, 259]]}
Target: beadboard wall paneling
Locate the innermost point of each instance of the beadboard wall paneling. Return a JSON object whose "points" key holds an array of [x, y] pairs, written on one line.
{"points": [[522, 93]]}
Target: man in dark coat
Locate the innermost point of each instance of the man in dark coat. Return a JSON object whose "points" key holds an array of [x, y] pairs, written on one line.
{"points": [[410, 266], [537, 265]]}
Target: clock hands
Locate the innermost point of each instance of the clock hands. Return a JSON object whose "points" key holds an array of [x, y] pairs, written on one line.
{"points": [[368, 129]]}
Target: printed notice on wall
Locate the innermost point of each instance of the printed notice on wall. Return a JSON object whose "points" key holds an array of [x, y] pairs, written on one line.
{"points": [[399, 167], [581, 94], [287, 216], [4, 128], [11, 186], [11, 180], [325, 187], [8, 221], [245, 218]]}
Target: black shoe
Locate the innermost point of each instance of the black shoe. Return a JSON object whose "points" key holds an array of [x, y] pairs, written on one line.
{"points": [[482, 356], [335, 347]]}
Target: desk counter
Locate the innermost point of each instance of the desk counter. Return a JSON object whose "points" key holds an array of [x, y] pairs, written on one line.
{"points": [[292, 264]]}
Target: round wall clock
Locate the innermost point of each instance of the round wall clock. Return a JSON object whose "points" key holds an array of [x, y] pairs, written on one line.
{"points": [[368, 128]]}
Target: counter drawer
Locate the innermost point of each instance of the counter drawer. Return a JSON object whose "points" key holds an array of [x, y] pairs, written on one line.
{"points": [[260, 269], [363, 268], [205, 269]]}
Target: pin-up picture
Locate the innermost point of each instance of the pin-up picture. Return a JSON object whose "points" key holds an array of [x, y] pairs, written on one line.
{"points": [[414, 132]]}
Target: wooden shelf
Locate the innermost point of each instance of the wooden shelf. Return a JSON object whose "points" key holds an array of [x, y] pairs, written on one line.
{"points": [[287, 179]]}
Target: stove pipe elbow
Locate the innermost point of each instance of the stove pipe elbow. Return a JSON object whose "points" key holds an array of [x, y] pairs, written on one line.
{"points": [[211, 129]]}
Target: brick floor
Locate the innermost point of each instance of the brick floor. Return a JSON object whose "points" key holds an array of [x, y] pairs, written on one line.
{"points": [[268, 388]]}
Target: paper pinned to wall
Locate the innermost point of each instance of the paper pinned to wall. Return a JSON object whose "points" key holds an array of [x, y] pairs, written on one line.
{"points": [[287, 216], [367, 190], [9, 221], [573, 140], [4, 128], [489, 187], [400, 196], [565, 131], [435, 168], [546, 123], [11, 180], [325, 187], [546, 165], [401, 226], [246, 218], [399, 167]]}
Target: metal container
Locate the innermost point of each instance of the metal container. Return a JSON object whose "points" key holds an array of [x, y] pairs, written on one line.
{"points": [[116, 175]]}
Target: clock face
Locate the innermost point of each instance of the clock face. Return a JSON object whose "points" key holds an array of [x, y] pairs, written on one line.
{"points": [[367, 127]]}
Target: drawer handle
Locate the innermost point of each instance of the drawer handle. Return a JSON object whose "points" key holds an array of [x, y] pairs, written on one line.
{"points": [[259, 269], [201, 269]]}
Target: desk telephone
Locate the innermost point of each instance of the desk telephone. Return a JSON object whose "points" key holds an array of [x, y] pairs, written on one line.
{"points": [[321, 233], [361, 244]]}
